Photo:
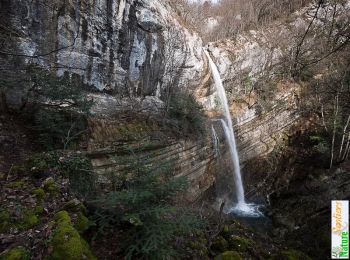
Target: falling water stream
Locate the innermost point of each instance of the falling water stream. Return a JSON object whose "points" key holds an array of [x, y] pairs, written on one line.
{"points": [[241, 208]]}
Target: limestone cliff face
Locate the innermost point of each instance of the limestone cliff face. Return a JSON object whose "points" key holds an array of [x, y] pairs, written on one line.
{"points": [[138, 49], [113, 142], [123, 47]]}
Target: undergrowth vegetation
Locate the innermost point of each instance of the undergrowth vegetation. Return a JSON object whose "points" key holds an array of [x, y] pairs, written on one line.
{"points": [[143, 209]]}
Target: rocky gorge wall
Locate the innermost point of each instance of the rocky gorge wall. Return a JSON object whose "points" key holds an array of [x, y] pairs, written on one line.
{"points": [[128, 53]]}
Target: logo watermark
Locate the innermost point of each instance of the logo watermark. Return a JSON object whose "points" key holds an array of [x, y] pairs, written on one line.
{"points": [[340, 229]]}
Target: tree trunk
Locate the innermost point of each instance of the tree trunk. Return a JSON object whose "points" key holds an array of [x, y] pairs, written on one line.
{"points": [[340, 156], [336, 109]]}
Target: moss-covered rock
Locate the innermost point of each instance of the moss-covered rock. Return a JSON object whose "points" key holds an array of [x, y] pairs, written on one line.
{"points": [[82, 223], [4, 221], [38, 193], [17, 253], [62, 217], [219, 244], [239, 244], [290, 255], [229, 255], [66, 241]]}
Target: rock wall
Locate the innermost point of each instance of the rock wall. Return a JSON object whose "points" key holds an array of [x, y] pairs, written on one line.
{"points": [[113, 142], [122, 47]]}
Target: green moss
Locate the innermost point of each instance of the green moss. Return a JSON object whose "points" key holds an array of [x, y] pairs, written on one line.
{"points": [[38, 210], [29, 221], [62, 217], [50, 186], [66, 242], [17, 253], [220, 244], [290, 255], [16, 185], [39, 193], [229, 255], [4, 221], [240, 244], [83, 223]]}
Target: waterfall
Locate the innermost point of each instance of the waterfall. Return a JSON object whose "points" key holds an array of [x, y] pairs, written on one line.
{"points": [[215, 141], [228, 130], [235, 161], [241, 208]]}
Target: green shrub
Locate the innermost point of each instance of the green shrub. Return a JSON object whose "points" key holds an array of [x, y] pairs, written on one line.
{"points": [[58, 128], [143, 209], [76, 167], [82, 180], [56, 107]]}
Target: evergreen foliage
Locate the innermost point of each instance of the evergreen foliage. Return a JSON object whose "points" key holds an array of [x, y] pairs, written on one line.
{"points": [[143, 209]]}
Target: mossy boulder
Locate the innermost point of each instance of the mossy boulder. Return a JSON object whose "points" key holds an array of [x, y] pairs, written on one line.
{"points": [[229, 255], [219, 244], [82, 223], [290, 255], [17, 253], [239, 244], [66, 242]]}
